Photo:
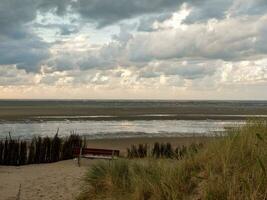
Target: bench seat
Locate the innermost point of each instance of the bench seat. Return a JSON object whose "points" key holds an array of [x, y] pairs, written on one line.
{"points": [[92, 153], [98, 157]]}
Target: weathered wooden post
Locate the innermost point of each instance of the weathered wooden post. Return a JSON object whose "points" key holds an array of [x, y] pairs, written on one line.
{"points": [[79, 157]]}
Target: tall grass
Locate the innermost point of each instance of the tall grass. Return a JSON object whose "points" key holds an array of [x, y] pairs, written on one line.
{"points": [[233, 167], [73, 141], [138, 179], [23, 153], [140, 151], [1, 152], [163, 150], [38, 150]]}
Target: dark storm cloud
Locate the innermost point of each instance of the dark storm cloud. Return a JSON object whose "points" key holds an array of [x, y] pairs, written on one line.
{"points": [[207, 9], [26, 53], [102, 12], [249, 7], [13, 13], [18, 46], [108, 12], [57, 6]]}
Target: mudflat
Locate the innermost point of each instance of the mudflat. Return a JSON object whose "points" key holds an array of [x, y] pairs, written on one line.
{"points": [[130, 110]]}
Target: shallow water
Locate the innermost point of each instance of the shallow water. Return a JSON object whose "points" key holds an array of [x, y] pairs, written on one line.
{"points": [[114, 129]]}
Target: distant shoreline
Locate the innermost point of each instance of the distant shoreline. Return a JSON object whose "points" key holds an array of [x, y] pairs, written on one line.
{"points": [[15, 110], [38, 119]]}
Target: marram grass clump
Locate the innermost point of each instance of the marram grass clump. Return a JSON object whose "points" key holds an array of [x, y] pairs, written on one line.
{"points": [[162, 150], [233, 167], [138, 179]]}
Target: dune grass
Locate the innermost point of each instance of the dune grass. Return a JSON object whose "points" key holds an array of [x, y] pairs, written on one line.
{"points": [[230, 167]]}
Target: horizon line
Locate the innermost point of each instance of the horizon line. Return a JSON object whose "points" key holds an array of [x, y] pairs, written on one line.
{"points": [[121, 99]]}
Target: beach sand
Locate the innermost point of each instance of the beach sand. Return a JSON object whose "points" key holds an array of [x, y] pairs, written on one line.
{"points": [[54, 181], [63, 180], [123, 143]]}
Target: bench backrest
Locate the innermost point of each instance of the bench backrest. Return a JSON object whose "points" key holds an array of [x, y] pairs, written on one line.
{"points": [[92, 151]]}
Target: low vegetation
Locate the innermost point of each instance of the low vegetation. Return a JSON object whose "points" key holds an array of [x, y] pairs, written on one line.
{"points": [[163, 150], [230, 167]]}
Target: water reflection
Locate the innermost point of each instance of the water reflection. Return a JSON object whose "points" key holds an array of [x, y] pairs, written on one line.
{"points": [[110, 129]]}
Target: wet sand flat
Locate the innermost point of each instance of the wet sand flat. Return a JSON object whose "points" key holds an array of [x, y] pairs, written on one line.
{"points": [[127, 110]]}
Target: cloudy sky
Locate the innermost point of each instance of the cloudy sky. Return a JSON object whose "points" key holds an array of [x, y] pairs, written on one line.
{"points": [[146, 49]]}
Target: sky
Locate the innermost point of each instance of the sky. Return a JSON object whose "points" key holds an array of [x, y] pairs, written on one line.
{"points": [[133, 49]]}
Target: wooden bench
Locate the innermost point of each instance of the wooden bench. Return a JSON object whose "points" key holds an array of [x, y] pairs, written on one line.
{"points": [[92, 153]]}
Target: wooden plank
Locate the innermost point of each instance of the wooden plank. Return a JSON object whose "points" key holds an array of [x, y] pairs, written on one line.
{"points": [[97, 157]]}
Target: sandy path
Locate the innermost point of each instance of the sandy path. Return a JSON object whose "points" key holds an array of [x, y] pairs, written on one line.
{"points": [[61, 180]]}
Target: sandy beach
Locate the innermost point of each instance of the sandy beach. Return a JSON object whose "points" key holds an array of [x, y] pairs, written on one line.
{"points": [[123, 143], [63, 180]]}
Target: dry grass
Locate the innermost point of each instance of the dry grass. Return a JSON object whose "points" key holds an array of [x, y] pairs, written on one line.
{"points": [[232, 167], [235, 167]]}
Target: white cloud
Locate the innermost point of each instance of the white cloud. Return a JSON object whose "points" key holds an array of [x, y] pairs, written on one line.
{"points": [[173, 49], [229, 39]]}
